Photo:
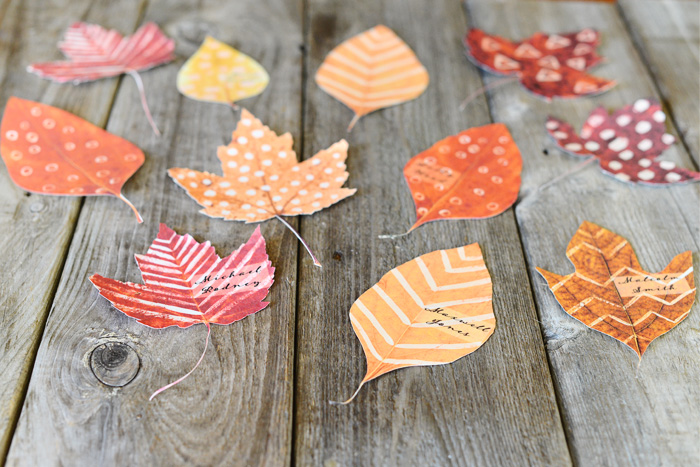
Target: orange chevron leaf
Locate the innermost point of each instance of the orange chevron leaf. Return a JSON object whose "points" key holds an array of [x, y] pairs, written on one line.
{"points": [[372, 70], [611, 293], [431, 310]]}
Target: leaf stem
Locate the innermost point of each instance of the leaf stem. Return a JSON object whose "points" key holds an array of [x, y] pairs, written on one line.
{"points": [[352, 122], [303, 242], [483, 89], [351, 397], [139, 219], [206, 344], [144, 103]]}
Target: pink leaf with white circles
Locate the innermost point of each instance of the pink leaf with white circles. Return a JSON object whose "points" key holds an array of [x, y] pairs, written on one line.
{"points": [[626, 143], [53, 152], [471, 175]]}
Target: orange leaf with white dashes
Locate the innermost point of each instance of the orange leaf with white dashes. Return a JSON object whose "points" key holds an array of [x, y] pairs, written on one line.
{"points": [[471, 175], [53, 152], [262, 178]]}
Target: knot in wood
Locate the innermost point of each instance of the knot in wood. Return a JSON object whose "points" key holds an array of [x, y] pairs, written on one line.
{"points": [[115, 364]]}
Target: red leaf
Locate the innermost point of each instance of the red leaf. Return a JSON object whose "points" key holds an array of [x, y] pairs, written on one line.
{"points": [[187, 283], [547, 65], [626, 143], [472, 175], [95, 53], [53, 152]]}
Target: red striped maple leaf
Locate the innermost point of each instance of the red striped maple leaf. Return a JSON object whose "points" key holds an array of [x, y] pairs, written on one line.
{"points": [[187, 283], [548, 65], [95, 53]]}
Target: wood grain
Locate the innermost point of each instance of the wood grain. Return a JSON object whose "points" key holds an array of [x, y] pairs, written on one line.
{"points": [[616, 413], [236, 408], [493, 407], [668, 36], [36, 230]]}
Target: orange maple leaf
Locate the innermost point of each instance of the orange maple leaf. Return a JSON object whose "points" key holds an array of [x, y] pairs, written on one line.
{"points": [[611, 293], [262, 178]]}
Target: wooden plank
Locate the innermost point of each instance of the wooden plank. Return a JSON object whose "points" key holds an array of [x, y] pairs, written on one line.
{"points": [[35, 230], [236, 408], [615, 412], [668, 35], [475, 411]]}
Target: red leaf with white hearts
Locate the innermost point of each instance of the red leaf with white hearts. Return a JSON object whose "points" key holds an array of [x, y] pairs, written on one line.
{"points": [[472, 175], [626, 143], [53, 152], [186, 283], [547, 65]]}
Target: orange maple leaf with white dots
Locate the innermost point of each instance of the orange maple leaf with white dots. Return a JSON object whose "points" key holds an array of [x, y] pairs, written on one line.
{"points": [[262, 178]]}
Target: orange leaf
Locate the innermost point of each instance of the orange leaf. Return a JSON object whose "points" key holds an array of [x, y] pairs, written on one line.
{"points": [[611, 293], [472, 175], [53, 152], [431, 310], [262, 178], [372, 70]]}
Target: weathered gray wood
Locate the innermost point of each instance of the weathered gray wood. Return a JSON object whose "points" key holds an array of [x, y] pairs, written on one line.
{"points": [[615, 412], [35, 230], [668, 36], [493, 407], [236, 408]]}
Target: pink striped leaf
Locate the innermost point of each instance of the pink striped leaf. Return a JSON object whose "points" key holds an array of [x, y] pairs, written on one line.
{"points": [[186, 283], [95, 53]]}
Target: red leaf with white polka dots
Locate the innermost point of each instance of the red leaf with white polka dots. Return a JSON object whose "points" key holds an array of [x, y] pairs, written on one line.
{"points": [[626, 143], [548, 65], [472, 175], [263, 180], [50, 151]]}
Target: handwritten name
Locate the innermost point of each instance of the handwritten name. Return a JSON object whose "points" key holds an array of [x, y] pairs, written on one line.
{"points": [[653, 284], [441, 322], [228, 285]]}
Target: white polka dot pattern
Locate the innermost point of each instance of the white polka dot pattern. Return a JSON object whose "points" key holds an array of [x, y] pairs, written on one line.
{"points": [[474, 174], [262, 178], [626, 143], [48, 150]]}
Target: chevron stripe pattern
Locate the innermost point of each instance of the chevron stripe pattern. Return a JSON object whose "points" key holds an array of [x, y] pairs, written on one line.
{"points": [[187, 283], [431, 310], [95, 53], [372, 70], [594, 295]]}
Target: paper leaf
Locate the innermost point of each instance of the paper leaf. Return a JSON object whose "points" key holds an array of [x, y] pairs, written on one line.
{"points": [[472, 175], [372, 70], [96, 53], [262, 178], [220, 73], [186, 283], [611, 293], [53, 152], [431, 310], [626, 143], [547, 65]]}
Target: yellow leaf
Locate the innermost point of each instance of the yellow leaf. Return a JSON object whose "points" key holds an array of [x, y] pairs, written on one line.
{"points": [[219, 73]]}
